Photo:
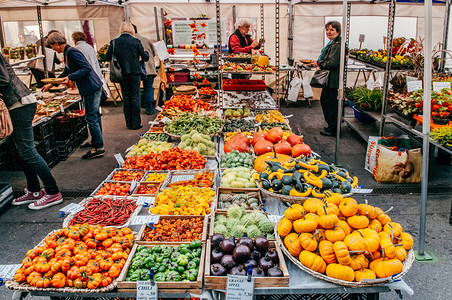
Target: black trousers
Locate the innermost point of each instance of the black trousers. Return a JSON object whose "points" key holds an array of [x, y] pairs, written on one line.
{"points": [[329, 102]]}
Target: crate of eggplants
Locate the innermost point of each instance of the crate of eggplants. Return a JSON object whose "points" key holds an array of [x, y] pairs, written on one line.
{"points": [[233, 256]]}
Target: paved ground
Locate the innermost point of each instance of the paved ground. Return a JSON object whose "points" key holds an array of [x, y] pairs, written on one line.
{"points": [[23, 228]]}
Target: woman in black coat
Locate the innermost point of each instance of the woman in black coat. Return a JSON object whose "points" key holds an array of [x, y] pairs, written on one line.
{"points": [[329, 59], [130, 54]]}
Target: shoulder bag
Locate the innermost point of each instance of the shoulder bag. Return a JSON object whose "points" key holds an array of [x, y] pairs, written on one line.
{"points": [[115, 68], [320, 78], [6, 126]]}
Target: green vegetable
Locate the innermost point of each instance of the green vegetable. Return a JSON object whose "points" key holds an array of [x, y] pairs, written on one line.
{"points": [[190, 121], [160, 276], [173, 276], [156, 249], [195, 244], [191, 265], [183, 249], [182, 260]]}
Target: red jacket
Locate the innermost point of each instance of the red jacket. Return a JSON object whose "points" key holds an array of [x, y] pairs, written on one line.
{"points": [[235, 45]]}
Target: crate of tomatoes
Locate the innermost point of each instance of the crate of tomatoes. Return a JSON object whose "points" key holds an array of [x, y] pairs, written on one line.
{"points": [[77, 259], [113, 188]]}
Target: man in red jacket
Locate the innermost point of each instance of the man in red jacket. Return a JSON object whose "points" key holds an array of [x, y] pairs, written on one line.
{"points": [[240, 41]]}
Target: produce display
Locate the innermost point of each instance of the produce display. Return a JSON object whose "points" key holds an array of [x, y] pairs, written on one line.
{"points": [[405, 103], [270, 116], [229, 256], [243, 67], [207, 91], [273, 140], [127, 175], [238, 142], [183, 200], [234, 125], [188, 122], [105, 211], [281, 125], [175, 230], [174, 159], [198, 142], [156, 137], [187, 104], [250, 99], [442, 135], [202, 180], [238, 221], [364, 98], [156, 177], [80, 257], [237, 112], [145, 147], [243, 85], [236, 159], [113, 189], [239, 177], [170, 263], [344, 239], [248, 201], [147, 189]]}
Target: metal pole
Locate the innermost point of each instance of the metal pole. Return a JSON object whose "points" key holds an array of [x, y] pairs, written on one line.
{"points": [[234, 16], [421, 254], [277, 51], [218, 50], [2, 43], [290, 34], [390, 37], [156, 18], [261, 6], [445, 37], [342, 84], [163, 22], [46, 72]]}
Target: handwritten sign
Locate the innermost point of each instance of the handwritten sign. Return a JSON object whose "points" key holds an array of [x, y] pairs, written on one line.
{"points": [[438, 86], [181, 178], [414, 85], [7, 271], [274, 218], [145, 200], [119, 158], [72, 208], [362, 191], [145, 219], [238, 287], [147, 290], [361, 38]]}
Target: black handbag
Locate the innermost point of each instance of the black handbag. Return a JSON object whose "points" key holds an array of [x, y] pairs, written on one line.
{"points": [[115, 68], [320, 79]]}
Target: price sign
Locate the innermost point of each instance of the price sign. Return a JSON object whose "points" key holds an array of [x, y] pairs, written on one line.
{"points": [[289, 116], [274, 218], [238, 287], [181, 178], [361, 38], [62, 108], [72, 208], [362, 191], [249, 118], [438, 86], [146, 290], [414, 85], [119, 158], [159, 108], [128, 149], [165, 119], [138, 220], [133, 185], [7, 271], [145, 200]]}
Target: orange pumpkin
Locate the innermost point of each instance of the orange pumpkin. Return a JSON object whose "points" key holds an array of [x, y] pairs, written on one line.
{"points": [[275, 134]]}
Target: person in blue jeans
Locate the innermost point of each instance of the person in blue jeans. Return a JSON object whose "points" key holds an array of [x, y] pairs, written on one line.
{"points": [[89, 85], [148, 79], [21, 104]]}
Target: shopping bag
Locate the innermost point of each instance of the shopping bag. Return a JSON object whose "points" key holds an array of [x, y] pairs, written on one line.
{"points": [[115, 68], [320, 79], [375, 81], [307, 90], [372, 144], [396, 166], [6, 126], [294, 89]]}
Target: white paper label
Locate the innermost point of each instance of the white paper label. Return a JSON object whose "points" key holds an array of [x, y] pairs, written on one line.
{"points": [[62, 108], [289, 116], [182, 177], [249, 118], [145, 219], [128, 149], [146, 290], [145, 200], [159, 108], [165, 119], [7, 271], [133, 185], [415, 85], [438, 86], [274, 218], [362, 191], [72, 208], [119, 158], [361, 38], [258, 124], [238, 287]]}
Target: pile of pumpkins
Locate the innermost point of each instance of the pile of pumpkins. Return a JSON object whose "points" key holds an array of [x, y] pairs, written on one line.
{"points": [[343, 239]]}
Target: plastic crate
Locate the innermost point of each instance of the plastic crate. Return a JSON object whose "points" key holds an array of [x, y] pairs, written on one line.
{"points": [[43, 129], [46, 144], [6, 195], [65, 148], [178, 77], [362, 116]]}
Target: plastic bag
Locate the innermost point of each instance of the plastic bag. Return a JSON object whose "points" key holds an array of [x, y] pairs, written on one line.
{"points": [[307, 90], [294, 89], [375, 81]]}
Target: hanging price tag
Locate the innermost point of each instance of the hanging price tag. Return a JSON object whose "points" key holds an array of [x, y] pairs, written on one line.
{"points": [[159, 108], [274, 218], [119, 158], [238, 287], [145, 200], [138, 220], [146, 290], [72, 208], [7, 271], [414, 85], [438, 86]]}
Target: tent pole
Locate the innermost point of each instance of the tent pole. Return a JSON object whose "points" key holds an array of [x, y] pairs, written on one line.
{"points": [[234, 16], [46, 72], [290, 35], [2, 43], [157, 23], [445, 37], [162, 14], [421, 254]]}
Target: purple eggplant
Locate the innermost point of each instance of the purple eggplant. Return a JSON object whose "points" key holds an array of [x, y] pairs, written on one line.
{"points": [[273, 255], [265, 263], [216, 239], [258, 272], [228, 262], [216, 255], [261, 243], [245, 240], [241, 253], [238, 270], [274, 272], [227, 245], [218, 270]]}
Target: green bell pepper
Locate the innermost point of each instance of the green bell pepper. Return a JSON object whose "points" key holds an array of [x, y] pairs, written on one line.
{"points": [[196, 252], [191, 274], [141, 248], [195, 244], [162, 268], [183, 249], [135, 276], [160, 277], [156, 249], [166, 247], [166, 261], [189, 255], [159, 258], [144, 274], [180, 269], [173, 266], [148, 251], [196, 260], [173, 276], [149, 262], [191, 265], [174, 256], [182, 260]]}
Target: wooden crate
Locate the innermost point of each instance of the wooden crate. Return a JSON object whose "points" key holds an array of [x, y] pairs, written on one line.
{"points": [[190, 173], [219, 282], [225, 190], [131, 285], [146, 183], [139, 239]]}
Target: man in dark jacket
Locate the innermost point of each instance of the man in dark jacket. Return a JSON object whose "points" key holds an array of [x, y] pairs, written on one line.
{"points": [[130, 55], [89, 85]]}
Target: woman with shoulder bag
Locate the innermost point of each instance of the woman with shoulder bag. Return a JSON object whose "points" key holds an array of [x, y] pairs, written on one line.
{"points": [[329, 59]]}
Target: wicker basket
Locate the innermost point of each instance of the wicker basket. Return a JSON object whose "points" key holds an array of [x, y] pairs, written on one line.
{"points": [[25, 287], [407, 263]]}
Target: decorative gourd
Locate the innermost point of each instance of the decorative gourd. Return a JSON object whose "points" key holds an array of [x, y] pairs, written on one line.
{"points": [[341, 252], [327, 252], [275, 134], [328, 220], [284, 227], [355, 242], [364, 274], [386, 268], [238, 142], [375, 225], [263, 61], [384, 235], [382, 217], [294, 139], [388, 247], [358, 261], [393, 228], [340, 272], [309, 241], [367, 210], [358, 221], [400, 253], [283, 147], [371, 238], [406, 240], [292, 243], [348, 207], [301, 149], [312, 261], [307, 223], [262, 146], [345, 227], [334, 198], [294, 212], [335, 234], [257, 136], [312, 204], [330, 208], [260, 163]]}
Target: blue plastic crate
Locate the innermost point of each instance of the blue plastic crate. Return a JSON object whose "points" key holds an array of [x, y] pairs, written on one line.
{"points": [[362, 116]]}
